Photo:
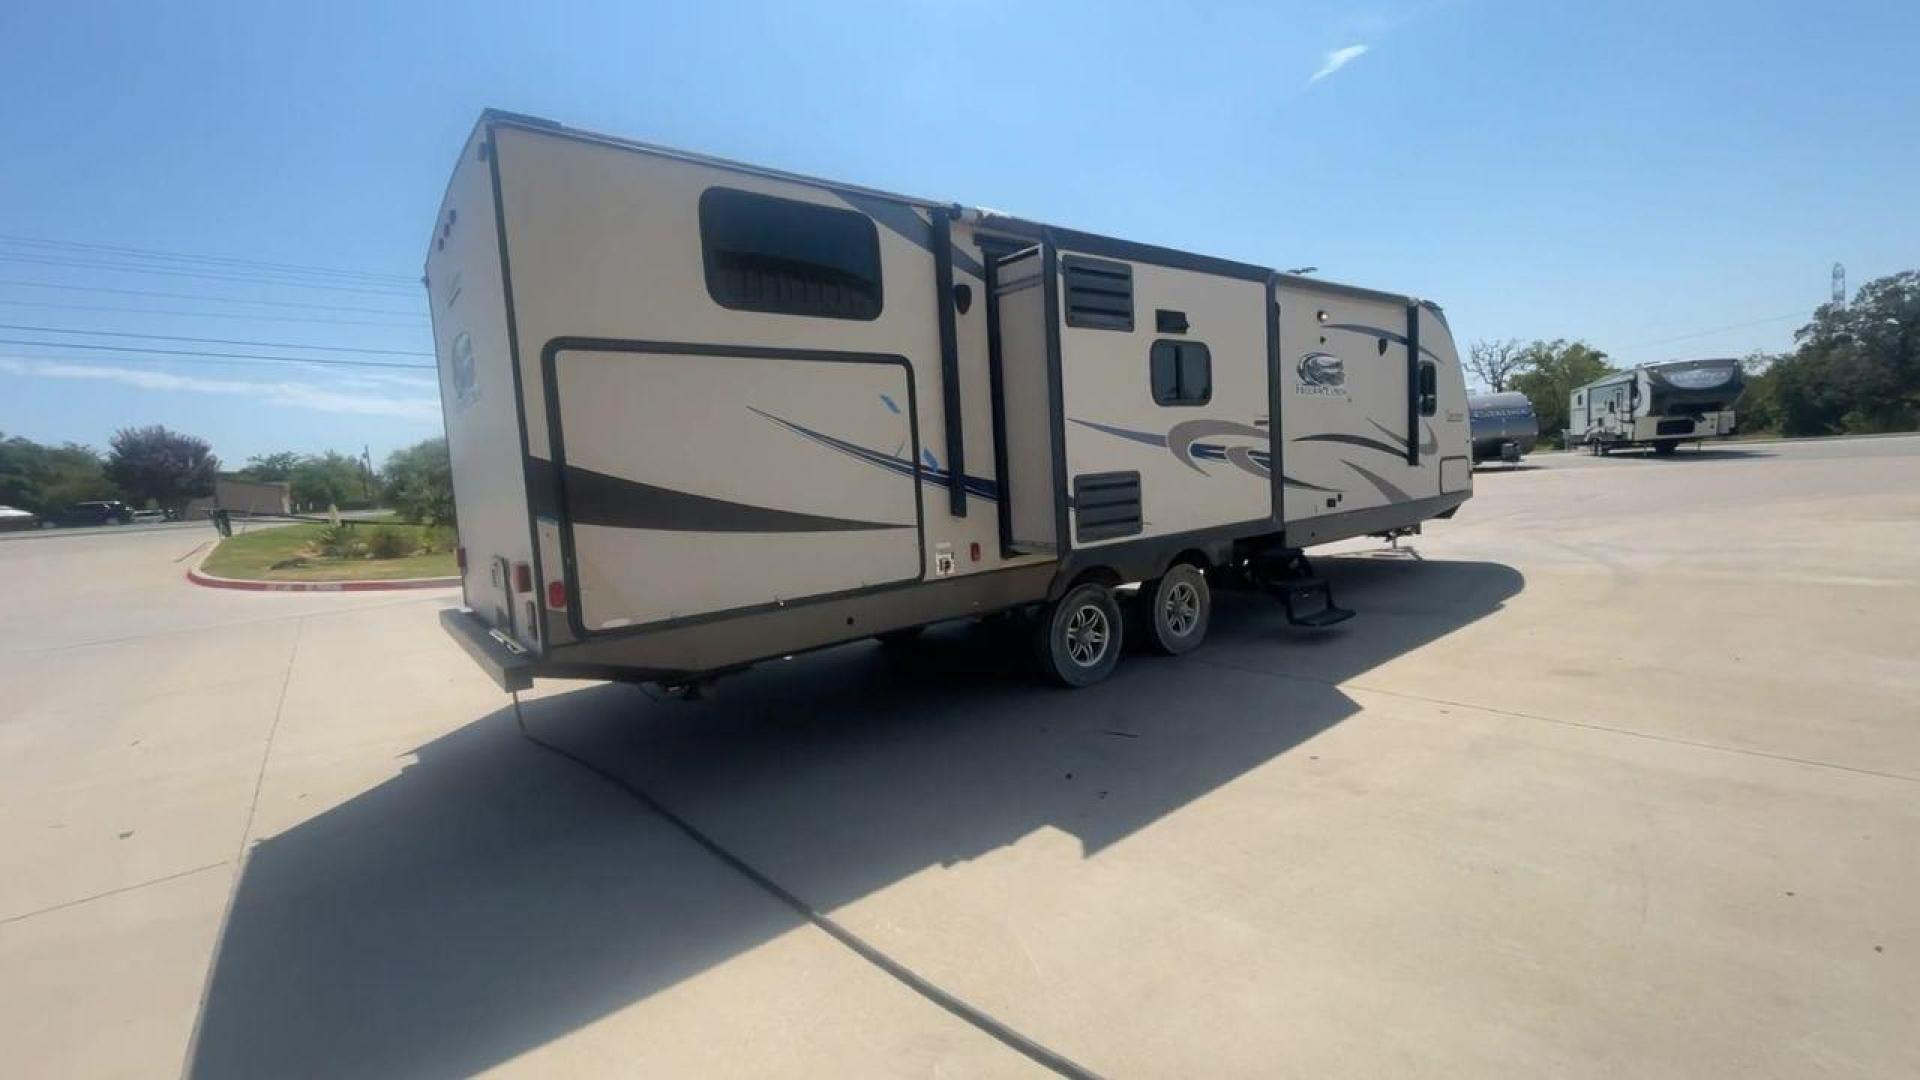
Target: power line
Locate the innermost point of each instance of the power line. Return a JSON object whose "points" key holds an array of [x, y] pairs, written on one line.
{"points": [[390, 290], [138, 353], [213, 341], [157, 253], [216, 299], [209, 314], [1719, 329]]}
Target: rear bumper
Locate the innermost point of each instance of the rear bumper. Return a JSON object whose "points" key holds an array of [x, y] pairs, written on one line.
{"points": [[509, 665]]}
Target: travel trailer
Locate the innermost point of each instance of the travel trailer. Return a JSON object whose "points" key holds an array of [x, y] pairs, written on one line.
{"points": [[703, 414], [1657, 405], [1503, 426]]}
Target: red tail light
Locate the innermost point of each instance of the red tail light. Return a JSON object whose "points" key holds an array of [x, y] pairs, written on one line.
{"points": [[557, 595], [460, 558], [522, 578]]}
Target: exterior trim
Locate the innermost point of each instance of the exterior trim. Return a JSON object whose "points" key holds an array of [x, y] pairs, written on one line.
{"points": [[1413, 384], [746, 638], [1050, 282], [1146, 557], [541, 629], [949, 362], [997, 390], [1276, 464], [1373, 519], [550, 377], [1082, 243]]}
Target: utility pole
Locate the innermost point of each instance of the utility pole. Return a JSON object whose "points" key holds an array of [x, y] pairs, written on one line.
{"points": [[366, 471]]}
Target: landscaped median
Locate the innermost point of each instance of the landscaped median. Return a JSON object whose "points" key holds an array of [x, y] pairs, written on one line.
{"points": [[317, 557]]}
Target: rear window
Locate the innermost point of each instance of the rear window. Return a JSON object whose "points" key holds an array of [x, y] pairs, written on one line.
{"points": [[787, 257]]}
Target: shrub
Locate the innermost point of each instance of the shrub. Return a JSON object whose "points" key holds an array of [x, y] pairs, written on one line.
{"points": [[389, 542], [439, 539], [339, 542]]}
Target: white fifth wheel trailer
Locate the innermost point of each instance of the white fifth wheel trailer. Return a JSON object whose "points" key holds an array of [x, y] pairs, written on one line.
{"points": [[703, 414], [1657, 405]]}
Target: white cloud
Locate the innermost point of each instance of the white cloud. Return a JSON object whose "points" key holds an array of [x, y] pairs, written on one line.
{"points": [[1336, 60], [296, 395]]}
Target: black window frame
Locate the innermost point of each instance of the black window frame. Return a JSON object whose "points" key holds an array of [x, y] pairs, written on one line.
{"points": [[1429, 390], [713, 203], [1176, 346]]}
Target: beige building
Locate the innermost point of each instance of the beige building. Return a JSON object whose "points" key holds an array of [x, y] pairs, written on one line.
{"points": [[244, 497]]}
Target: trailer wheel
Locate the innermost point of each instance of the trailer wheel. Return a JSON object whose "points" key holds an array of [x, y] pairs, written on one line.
{"points": [[1178, 608], [1666, 447], [1078, 640]]}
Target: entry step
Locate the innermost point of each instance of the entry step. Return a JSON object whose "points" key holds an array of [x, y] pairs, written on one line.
{"points": [[1309, 602]]}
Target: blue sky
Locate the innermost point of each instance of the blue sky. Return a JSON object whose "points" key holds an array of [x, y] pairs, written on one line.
{"points": [[1625, 173]]}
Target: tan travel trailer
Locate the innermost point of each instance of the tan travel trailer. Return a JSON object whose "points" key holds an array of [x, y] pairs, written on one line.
{"points": [[703, 414]]}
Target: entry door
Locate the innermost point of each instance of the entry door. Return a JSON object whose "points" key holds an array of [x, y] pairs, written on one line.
{"points": [[1022, 339]]}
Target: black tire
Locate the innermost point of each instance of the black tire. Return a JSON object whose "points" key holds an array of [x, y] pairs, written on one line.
{"points": [[895, 639], [1666, 447], [1176, 610], [1077, 640]]}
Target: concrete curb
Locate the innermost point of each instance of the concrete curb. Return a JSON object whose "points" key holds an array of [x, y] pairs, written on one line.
{"points": [[194, 575]]}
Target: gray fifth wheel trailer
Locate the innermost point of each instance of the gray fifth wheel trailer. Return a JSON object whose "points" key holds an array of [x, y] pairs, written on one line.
{"points": [[703, 414], [1657, 405]]}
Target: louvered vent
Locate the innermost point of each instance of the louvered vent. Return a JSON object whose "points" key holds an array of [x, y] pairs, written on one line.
{"points": [[1099, 293], [1106, 505]]}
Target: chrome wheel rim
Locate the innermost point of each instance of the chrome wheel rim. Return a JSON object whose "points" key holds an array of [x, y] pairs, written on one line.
{"points": [[1181, 609], [1087, 635]]}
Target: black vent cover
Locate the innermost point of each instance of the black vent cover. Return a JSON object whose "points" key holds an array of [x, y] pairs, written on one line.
{"points": [[1099, 293], [1106, 505]]}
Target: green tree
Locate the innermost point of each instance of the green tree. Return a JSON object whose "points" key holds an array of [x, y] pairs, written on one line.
{"points": [[167, 467], [278, 466], [418, 481], [1758, 407], [1550, 370], [331, 478], [45, 478], [1855, 367]]}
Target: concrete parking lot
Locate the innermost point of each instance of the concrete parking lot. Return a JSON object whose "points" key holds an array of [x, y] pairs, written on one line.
{"points": [[1619, 776]]}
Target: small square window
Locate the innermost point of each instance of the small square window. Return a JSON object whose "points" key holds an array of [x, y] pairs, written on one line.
{"points": [[1181, 373]]}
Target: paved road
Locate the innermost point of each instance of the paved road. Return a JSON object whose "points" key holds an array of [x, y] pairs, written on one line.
{"points": [[1621, 778]]}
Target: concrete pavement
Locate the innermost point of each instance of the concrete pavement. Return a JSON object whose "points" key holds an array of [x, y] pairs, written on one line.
{"points": [[1621, 776]]}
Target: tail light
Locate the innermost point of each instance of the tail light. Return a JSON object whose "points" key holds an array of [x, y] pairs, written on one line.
{"points": [[557, 595], [460, 558], [522, 578]]}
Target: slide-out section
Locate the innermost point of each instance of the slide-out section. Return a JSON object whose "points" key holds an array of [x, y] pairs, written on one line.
{"points": [[701, 479], [1030, 487]]}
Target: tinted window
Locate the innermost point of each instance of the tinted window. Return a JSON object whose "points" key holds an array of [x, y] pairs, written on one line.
{"points": [[1429, 389], [1181, 373], [788, 257]]}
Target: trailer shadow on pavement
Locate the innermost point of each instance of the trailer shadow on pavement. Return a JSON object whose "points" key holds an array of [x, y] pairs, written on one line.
{"points": [[494, 896]]}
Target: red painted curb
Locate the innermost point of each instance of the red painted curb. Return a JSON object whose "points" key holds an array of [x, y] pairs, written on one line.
{"points": [[211, 582]]}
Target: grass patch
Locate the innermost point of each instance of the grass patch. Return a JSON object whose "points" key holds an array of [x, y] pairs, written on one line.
{"points": [[293, 553]]}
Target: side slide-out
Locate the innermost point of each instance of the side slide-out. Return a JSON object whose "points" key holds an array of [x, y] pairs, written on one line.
{"points": [[739, 478]]}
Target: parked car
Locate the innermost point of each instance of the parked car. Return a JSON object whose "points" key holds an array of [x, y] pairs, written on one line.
{"points": [[12, 519], [151, 515], [102, 512]]}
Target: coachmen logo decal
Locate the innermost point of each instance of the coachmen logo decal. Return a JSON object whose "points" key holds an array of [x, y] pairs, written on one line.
{"points": [[1323, 374]]}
